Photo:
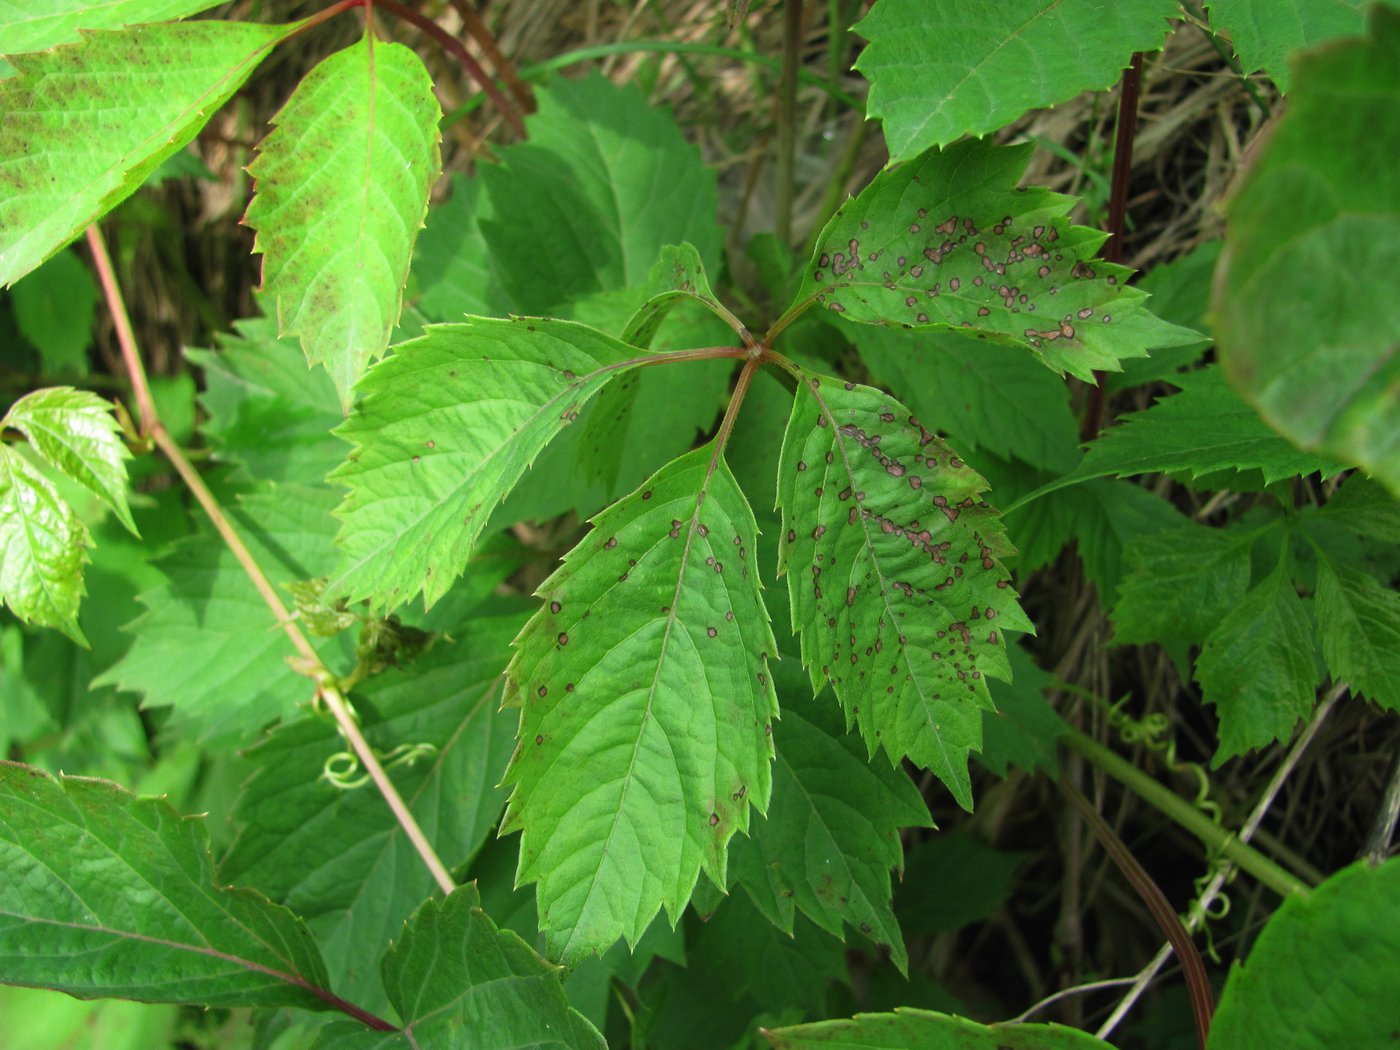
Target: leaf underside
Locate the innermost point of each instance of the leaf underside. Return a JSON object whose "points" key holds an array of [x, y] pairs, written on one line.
{"points": [[646, 709], [893, 574]]}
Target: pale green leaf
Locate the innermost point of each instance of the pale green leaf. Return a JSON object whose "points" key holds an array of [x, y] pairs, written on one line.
{"points": [[1322, 973], [831, 835], [32, 25], [1257, 668], [82, 126], [454, 976], [1359, 624], [647, 709], [446, 427], [107, 894], [39, 1018], [75, 432], [910, 1029], [1305, 328], [342, 189], [54, 308], [208, 645], [939, 71], [1181, 583], [41, 548], [1266, 32], [605, 181], [338, 857], [892, 562], [947, 241], [981, 395]]}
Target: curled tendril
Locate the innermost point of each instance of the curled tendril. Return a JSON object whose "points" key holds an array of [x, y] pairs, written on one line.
{"points": [[342, 769]]}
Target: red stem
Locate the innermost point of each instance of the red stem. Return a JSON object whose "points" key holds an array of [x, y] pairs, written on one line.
{"points": [[504, 68]]}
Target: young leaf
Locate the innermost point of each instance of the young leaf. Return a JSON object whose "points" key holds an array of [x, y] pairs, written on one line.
{"points": [[107, 894], [1257, 667], [26, 25], [41, 548], [1321, 974], [82, 126], [1311, 233], [831, 834], [446, 427], [342, 188], [947, 241], [1182, 583], [1359, 623], [605, 180], [910, 1029], [647, 709], [337, 856], [453, 975], [677, 277], [1266, 32], [891, 558], [937, 75], [74, 431]]}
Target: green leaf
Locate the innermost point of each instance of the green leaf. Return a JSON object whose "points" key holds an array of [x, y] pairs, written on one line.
{"points": [[74, 431], [54, 309], [1322, 973], [1313, 231], [41, 548], [446, 427], [40, 1018], [453, 975], [1181, 584], [338, 857], [947, 241], [678, 277], [342, 189], [33, 25], [1024, 728], [207, 645], [452, 264], [896, 590], [909, 1029], [647, 709], [1257, 667], [1266, 32], [605, 180], [937, 75], [82, 126], [110, 895], [973, 878], [1180, 293], [1363, 506], [831, 834], [981, 395], [1359, 623]]}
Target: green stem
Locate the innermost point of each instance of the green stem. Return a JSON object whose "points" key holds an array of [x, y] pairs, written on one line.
{"points": [[1172, 805], [787, 118]]}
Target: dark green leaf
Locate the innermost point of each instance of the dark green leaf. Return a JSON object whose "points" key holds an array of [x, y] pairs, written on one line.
{"points": [[892, 563], [973, 880], [1266, 32], [54, 308], [1181, 583], [1359, 622], [1024, 728], [647, 709]]}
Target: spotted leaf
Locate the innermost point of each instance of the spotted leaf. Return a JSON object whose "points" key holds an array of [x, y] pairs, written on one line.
{"points": [[647, 709], [446, 427], [897, 593], [947, 241]]}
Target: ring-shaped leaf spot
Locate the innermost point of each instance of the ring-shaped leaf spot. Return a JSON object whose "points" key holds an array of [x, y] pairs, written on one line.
{"points": [[947, 241], [647, 709], [894, 574], [445, 428]]}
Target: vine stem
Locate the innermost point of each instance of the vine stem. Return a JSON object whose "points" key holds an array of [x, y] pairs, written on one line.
{"points": [[309, 662], [787, 118], [482, 35]]}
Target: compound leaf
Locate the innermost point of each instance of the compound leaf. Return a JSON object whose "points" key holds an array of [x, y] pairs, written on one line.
{"points": [[1312, 234], [27, 25], [445, 429], [1181, 584], [342, 189], [81, 126], [893, 574], [1257, 667], [937, 75], [1266, 32], [831, 834], [678, 276], [41, 548], [74, 431], [647, 709], [107, 894], [1359, 624], [911, 1029], [947, 241], [453, 975]]}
